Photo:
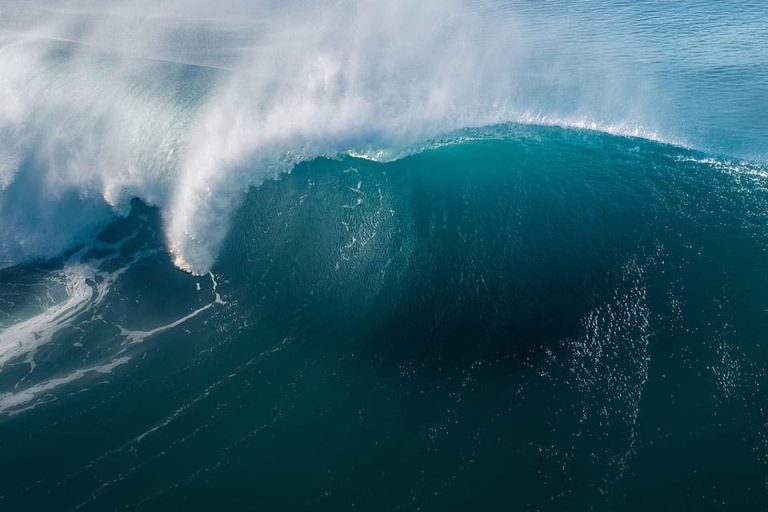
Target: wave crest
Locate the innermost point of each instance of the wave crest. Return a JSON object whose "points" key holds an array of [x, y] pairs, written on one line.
{"points": [[106, 104]]}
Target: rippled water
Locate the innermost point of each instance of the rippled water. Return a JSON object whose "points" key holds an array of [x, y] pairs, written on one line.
{"points": [[699, 68]]}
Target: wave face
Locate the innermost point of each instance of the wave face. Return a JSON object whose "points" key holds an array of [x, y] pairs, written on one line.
{"points": [[186, 105], [517, 316]]}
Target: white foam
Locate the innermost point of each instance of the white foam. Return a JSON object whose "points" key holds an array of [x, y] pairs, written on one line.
{"points": [[24, 338], [85, 286], [138, 336], [19, 401], [216, 297]]}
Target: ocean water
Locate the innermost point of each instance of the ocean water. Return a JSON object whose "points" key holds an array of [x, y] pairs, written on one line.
{"points": [[460, 255]]}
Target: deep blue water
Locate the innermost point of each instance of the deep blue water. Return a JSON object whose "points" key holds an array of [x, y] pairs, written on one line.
{"points": [[246, 272]]}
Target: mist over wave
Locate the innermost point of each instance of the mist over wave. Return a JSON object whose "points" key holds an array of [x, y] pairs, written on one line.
{"points": [[186, 105]]}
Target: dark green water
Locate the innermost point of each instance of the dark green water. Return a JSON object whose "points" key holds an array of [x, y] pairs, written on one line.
{"points": [[531, 319]]}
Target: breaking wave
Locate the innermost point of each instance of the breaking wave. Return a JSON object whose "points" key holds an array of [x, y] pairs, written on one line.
{"points": [[186, 112]]}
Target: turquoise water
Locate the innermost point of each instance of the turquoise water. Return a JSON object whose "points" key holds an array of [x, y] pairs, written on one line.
{"points": [[222, 289], [536, 317]]}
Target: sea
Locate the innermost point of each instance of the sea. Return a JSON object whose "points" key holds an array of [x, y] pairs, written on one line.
{"points": [[445, 255]]}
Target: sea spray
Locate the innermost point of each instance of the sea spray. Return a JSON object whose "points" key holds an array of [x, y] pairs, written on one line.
{"points": [[186, 108]]}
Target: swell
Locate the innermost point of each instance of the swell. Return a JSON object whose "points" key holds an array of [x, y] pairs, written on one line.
{"points": [[514, 239], [497, 278]]}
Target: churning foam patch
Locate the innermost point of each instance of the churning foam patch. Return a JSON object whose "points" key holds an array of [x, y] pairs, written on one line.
{"points": [[24, 338]]}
